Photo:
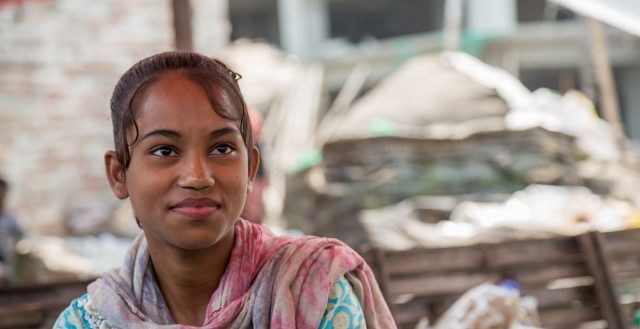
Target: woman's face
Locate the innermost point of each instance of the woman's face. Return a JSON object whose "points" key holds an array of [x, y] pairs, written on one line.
{"points": [[189, 173]]}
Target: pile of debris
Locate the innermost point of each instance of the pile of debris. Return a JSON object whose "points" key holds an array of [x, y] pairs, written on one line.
{"points": [[446, 129]]}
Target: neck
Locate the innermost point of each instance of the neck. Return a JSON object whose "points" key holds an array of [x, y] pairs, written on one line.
{"points": [[188, 278]]}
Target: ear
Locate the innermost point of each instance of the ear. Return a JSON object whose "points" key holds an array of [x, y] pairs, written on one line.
{"points": [[254, 164], [115, 175]]}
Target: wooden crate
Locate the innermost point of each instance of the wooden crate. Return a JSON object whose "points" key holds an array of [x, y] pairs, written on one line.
{"points": [[36, 306], [573, 278]]}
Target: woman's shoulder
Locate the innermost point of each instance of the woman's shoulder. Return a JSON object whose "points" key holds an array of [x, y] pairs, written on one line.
{"points": [[80, 314], [325, 247]]}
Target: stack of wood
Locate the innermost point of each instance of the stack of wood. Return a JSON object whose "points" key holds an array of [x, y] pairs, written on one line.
{"points": [[575, 280]]}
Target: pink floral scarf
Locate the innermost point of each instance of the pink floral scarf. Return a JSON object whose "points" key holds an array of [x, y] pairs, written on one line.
{"points": [[270, 282]]}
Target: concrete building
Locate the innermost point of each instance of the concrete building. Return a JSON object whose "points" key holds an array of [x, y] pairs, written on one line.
{"points": [[542, 43]]}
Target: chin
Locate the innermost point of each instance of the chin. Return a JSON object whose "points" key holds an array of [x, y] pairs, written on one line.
{"points": [[199, 240], [194, 245]]}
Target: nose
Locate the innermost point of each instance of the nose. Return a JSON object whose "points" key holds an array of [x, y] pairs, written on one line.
{"points": [[196, 173]]}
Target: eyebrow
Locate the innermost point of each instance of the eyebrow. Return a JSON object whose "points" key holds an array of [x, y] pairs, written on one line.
{"points": [[162, 132], [176, 135]]}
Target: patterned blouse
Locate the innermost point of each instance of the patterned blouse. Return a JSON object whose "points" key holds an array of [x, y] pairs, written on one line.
{"points": [[343, 312]]}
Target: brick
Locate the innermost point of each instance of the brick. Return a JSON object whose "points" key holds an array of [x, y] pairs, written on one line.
{"points": [[59, 62]]}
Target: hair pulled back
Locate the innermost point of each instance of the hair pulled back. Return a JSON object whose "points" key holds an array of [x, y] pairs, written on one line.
{"points": [[211, 74]]}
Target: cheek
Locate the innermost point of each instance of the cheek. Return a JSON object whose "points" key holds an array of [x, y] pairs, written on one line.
{"points": [[241, 183], [237, 181], [143, 185]]}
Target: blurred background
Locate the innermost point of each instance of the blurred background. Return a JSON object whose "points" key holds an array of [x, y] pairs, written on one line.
{"points": [[392, 125]]}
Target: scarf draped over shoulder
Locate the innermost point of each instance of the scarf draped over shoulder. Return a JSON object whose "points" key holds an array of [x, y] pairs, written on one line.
{"points": [[270, 282]]}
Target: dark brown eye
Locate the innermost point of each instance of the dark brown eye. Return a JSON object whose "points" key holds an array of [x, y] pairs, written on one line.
{"points": [[163, 151], [222, 149]]}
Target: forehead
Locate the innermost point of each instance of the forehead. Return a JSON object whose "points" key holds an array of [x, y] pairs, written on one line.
{"points": [[221, 92], [175, 97]]}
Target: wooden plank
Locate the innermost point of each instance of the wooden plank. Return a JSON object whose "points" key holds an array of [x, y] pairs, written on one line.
{"points": [[583, 296], [625, 234], [21, 289], [62, 292], [501, 256], [605, 294], [430, 306], [412, 312], [601, 246], [533, 252], [22, 319], [438, 285], [622, 242], [540, 276], [435, 260], [621, 250], [36, 306]]}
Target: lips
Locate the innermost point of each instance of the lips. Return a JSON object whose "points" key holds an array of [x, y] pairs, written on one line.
{"points": [[196, 208]]}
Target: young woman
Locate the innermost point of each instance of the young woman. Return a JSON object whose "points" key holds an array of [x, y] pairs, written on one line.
{"points": [[184, 156]]}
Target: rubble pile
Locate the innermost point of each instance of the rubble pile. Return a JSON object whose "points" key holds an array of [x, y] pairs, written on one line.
{"points": [[448, 127]]}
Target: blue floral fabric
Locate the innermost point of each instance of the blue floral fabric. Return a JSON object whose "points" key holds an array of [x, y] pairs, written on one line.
{"points": [[79, 315], [343, 308]]}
